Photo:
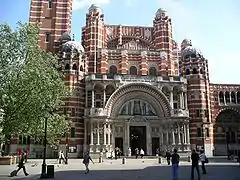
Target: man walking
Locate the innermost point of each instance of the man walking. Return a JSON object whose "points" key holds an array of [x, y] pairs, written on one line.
{"points": [[86, 160], [195, 161], [203, 159], [175, 164], [21, 165]]}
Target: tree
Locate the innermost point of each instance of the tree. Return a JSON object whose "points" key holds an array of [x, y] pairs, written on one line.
{"points": [[31, 86]]}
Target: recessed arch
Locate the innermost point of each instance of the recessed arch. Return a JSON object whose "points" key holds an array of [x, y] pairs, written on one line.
{"points": [[113, 70], [135, 90], [152, 71], [74, 67], [133, 70]]}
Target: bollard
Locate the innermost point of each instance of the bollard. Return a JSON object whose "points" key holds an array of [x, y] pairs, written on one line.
{"points": [[159, 160], [189, 159], [123, 160]]}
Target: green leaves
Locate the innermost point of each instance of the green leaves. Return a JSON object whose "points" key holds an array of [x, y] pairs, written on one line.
{"points": [[29, 82]]}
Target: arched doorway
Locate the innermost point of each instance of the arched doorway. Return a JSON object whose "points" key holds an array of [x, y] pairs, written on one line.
{"points": [[226, 132], [137, 109]]}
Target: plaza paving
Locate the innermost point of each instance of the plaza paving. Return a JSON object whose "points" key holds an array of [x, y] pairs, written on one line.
{"points": [[218, 169]]}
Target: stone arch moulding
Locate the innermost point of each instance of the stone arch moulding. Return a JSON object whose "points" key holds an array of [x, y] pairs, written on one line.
{"points": [[223, 109], [135, 90]]}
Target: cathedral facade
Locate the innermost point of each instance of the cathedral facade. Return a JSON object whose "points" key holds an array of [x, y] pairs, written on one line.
{"points": [[134, 86]]}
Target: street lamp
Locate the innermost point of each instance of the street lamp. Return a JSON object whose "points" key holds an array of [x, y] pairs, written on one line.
{"points": [[67, 136], [44, 165]]}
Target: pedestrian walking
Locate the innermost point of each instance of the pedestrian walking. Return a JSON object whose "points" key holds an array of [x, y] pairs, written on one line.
{"points": [[168, 156], [175, 164], [141, 153], [86, 160], [136, 153], [203, 159], [20, 166], [195, 164], [61, 157]]}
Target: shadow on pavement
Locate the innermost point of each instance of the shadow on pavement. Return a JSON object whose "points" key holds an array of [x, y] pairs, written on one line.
{"points": [[215, 172]]}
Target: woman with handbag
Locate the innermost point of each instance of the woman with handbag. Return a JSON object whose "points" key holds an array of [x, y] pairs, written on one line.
{"points": [[203, 159]]}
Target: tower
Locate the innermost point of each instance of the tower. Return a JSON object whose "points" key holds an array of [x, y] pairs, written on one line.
{"points": [[194, 67], [162, 38], [53, 18], [93, 36]]}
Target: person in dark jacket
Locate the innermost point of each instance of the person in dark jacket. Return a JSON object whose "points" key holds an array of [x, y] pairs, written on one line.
{"points": [[195, 164], [168, 156], [175, 164], [21, 165]]}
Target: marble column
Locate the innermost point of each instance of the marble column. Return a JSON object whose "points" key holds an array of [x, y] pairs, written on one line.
{"points": [[113, 136], [91, 135], [185, 134], [109, 134], [179, 135], [188, 135], [224, 99], [171, 99], [93, 99], [173, 138], [149, 140], [85, 132], [167, 141], [98, 134], [181, 100], [104, 134], [104, 97], [185, 100]]}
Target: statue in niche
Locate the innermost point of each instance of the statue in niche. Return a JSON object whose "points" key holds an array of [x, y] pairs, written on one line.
{"points": [[144, 107], [150, 111], [137, 108], [124, 110]]}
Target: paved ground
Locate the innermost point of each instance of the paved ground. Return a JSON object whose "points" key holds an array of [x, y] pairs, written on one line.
{"points": [[218, 169]]}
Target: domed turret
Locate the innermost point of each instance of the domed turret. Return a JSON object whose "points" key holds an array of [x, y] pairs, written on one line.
{"points": [[94, 9], [185, 43], [192, 52], [73, 46], [65, 37], [161, 13]]}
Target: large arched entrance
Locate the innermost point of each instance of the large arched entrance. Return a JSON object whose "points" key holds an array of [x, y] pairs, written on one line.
{"points": [[138, 109], [226, 132]]}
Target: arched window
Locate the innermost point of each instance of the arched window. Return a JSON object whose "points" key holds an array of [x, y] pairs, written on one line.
{"points": [[81, 68], [113, 70], [201, 71], [233, 97], [221, 97], [194, 71], [152, 71], [74, 67], [133, 70], [227, 97], [67, 67], [238, 97], [188, 72]]}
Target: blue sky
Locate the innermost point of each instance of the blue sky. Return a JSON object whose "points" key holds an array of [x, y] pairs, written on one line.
{"points": [[212, 25]]}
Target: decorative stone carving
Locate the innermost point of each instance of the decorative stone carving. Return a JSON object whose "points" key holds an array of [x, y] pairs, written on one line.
{"points": [[147, 33], [181, 113]]}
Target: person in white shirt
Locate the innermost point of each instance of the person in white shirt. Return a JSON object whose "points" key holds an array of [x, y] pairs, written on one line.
{"points": [[203, 160], [141, 153]]}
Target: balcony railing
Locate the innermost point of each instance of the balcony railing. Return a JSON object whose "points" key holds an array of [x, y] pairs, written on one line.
{"points": [[135, 78], [94, 112]]}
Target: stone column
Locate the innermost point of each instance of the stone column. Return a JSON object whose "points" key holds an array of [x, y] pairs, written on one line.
{"points": [[104, 134], [85, 132], [224, 99], [171, 98], [188, 135], [173, 138], [98, 134], [185, 134], [185, 100], [104, 97], [93, 99], [179, 135], [113, 135], [109, 134], [91, 135], [181, 100], [167, 134], [149, 140]]}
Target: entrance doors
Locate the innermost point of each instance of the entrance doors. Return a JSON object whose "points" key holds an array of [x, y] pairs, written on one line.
{"points": [[137, 137], [155, 145]]}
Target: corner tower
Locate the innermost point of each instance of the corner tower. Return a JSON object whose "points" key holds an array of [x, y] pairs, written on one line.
{"points": [[93, 36], [194, 67], [53, 18], [162, 38]]}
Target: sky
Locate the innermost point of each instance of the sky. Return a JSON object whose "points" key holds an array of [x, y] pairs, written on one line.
{"points": [[212, 25]]}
